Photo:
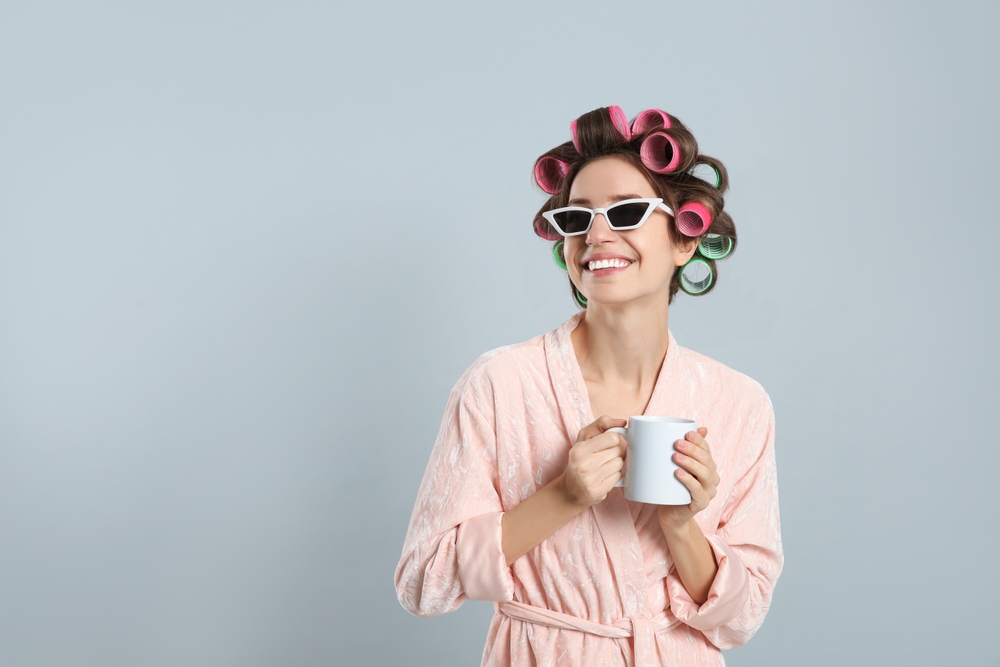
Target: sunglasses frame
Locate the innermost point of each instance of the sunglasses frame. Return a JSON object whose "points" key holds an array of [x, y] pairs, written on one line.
{"points": [[654, 203]]}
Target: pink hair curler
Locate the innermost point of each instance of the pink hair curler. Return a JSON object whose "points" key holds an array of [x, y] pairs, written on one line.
{"points": [[693, 219], [550, 172], [649, 119], [620, 121], [576, 141], [544, 230], [660, 153]]}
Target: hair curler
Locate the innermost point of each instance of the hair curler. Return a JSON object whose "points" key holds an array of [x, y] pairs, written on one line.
{"points": [[620, 121], [697, 276], [649, 119], [708, 173], [557, 251], [544, 229], [576, 140], [550, 172], [715, 246], [660, 153], [693, 219]]}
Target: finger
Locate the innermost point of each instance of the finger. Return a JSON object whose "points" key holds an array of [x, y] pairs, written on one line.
{"points": [[701, 454], [598, 426], [697, 439], [692, 450], [694, 487], [611, 472], [612, 466], [607, 440], [693, 466], [705, 477], [603, 456]]}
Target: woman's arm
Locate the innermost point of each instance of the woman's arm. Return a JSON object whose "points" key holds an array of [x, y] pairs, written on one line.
{"points": [[452, 550], [595, 465], [461, 542], [746, 547], [693, 558], [689, 548]]}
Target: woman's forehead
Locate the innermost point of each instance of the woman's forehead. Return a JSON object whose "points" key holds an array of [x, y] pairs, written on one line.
{"points": [[609, 178]]}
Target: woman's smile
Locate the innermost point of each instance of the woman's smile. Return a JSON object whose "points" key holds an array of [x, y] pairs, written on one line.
{"points": [[606, 264], [617, 266]]}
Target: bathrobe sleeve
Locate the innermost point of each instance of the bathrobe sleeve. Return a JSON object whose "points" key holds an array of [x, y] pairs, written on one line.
{"points": [[453, 550], [747, 547]]}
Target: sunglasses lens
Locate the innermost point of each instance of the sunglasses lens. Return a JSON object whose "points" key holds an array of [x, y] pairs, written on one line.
{"points": [[627, 215], [572, 222]]}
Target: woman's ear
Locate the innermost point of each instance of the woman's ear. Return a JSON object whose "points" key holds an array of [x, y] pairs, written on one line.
{"points": [[685, 250]]}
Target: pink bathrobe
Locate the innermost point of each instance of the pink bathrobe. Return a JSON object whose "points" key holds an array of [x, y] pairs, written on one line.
{"points": [[602, 590]]}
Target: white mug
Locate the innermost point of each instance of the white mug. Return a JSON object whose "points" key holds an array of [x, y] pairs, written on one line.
{"points": [[649, 464]]}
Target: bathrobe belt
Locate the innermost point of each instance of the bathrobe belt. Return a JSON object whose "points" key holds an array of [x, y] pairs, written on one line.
{"points": [[641, 628]]}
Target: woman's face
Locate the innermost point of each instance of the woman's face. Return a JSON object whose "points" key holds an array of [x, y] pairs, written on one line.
{"points": [[644, 258]]}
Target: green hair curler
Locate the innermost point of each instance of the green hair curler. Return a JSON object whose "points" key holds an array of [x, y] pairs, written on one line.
{"points": [[715, 246], [697, 276], [557, 251], [708, 173]]}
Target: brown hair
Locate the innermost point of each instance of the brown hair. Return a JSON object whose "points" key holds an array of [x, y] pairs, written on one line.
{"points": [[596, 135]]}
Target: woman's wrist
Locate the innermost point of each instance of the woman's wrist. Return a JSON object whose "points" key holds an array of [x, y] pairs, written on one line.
{"points": [[686, 530], [537, 517], [561, 488], [693, 557]]}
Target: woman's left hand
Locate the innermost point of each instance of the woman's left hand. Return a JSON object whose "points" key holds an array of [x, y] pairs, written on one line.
{"points": [[697, 472]]}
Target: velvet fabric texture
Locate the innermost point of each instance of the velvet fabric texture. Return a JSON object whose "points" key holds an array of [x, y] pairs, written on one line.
{"points": [[602, 590]]}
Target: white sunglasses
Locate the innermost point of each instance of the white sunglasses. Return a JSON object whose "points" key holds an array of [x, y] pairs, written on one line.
{"points": [[627, 214]]}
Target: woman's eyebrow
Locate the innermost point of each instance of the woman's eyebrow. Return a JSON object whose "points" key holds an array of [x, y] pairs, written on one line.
{"points": [[616, 198]]}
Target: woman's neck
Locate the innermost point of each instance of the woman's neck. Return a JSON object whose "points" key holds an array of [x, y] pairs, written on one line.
{"points": [[622, 346]]}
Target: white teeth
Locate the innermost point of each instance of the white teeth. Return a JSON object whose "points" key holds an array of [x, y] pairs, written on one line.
{"points": [[607, 264]]}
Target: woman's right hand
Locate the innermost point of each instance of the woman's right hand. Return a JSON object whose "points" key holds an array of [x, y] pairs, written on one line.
{"points": [[596, 462]]}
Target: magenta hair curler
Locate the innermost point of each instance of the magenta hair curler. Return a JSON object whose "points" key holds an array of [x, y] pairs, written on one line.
{"points": [[693, 219], [649, 119], [550, 172], [660, 153], [576, 141], [545, 231], [620, 121]]}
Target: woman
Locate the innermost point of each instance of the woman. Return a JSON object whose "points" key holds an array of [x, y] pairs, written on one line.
{"points": [[518, 504]]}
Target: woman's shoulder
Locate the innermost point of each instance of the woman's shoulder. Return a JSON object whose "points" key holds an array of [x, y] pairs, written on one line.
{"points": [[720, 378], [504, 366]]}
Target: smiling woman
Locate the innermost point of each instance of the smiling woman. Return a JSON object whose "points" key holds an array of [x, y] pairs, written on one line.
{"points": [[520, 502], [665, 157]]}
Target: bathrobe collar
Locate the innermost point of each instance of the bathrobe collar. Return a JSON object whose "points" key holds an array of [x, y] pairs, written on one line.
{"points": [[613, 516]]}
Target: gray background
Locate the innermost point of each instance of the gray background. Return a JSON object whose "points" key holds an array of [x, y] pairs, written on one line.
{"points": [[246, 249]]}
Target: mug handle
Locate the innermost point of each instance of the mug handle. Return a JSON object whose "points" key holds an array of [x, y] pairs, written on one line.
{"points": [[623, 431]]}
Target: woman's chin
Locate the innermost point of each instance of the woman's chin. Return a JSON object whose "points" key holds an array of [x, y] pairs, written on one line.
{"points": [[622, 298]]}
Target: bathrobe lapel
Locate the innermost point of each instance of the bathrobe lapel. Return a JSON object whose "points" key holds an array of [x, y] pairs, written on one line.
{"points": [[614, 520]]}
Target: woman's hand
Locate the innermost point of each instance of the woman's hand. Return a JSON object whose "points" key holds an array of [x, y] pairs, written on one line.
{"points": [[596, 463], [697, 472]]}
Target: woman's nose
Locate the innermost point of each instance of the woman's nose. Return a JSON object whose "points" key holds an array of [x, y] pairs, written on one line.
{"points": [[600, 231]]}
